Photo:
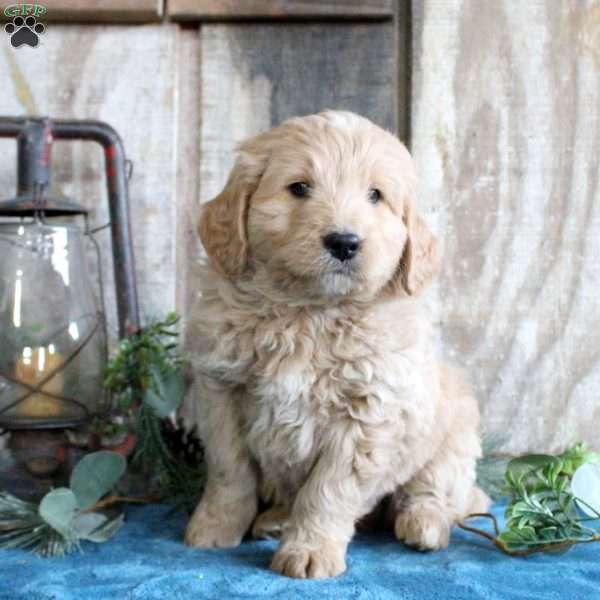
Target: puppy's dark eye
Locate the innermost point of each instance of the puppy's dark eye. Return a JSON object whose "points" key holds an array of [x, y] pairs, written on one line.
{"points": [[374, 195], [300, 189]]}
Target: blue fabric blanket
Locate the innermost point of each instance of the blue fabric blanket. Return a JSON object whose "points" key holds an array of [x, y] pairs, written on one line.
{"points": [[147, 560]]}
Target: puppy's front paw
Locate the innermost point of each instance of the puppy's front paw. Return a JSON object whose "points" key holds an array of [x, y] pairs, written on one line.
{"points": [[296, 560], [423, 527], [209, 530]]}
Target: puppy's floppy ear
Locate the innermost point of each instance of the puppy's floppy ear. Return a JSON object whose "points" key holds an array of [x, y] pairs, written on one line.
{"points": [[420, 261], [223, 221]]}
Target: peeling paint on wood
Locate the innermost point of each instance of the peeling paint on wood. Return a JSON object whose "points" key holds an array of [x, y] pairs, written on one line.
{"points": [[21, 88], [188, 156]]}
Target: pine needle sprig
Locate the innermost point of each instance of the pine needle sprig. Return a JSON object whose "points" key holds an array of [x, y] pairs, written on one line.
{"points": [[146, 377], [153, 349], [21, 526], [175, 480]]}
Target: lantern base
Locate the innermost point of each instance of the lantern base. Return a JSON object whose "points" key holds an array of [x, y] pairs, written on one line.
{"points": [[34, 461], [22, 424]]}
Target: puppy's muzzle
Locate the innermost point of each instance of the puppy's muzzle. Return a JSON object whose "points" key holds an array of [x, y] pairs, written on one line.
{"points": [[343, 246]]}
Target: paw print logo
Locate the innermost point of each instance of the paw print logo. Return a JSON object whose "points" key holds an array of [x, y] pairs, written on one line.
{"points": [[24, 31]]}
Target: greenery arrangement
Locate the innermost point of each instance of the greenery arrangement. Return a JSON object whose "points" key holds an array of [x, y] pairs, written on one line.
{"points": [[142, 362], [65, 516], [146, 381], [543, 514]]}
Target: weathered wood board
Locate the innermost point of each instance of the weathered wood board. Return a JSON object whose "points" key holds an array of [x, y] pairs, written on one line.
{"points": [[255, 76], [279, 9], [84, 11], [126, 76], [506, 135]]}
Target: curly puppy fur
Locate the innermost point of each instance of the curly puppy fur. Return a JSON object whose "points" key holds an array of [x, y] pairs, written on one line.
{"points": [[317, 384]]}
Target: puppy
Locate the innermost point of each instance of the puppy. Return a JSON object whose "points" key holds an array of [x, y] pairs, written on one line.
{"points": [[317, 384]]}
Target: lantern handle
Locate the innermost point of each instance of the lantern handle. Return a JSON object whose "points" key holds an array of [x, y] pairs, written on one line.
{"points": [[118, 199], [35, 137]]}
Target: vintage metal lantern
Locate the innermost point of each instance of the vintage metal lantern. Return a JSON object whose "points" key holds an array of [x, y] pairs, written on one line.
{"points": [[52, 331]]}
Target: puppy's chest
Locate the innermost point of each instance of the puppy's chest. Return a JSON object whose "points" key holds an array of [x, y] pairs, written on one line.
{"points": [[308, 374], [318, 363]]}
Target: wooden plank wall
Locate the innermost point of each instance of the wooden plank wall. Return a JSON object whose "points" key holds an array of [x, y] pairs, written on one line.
{"points": [[84, 11], [506, 134], [279, 9], [129, 77]]}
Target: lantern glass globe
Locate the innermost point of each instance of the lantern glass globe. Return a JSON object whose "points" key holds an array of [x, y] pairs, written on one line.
{"points": [[52, 339]]}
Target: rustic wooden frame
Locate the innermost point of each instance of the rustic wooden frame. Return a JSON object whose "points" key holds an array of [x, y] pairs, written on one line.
{"points": [[147, 11], [105, 11], [248, 10]]}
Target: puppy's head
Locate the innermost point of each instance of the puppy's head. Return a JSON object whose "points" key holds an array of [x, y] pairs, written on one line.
{"points": [[325, 205]]}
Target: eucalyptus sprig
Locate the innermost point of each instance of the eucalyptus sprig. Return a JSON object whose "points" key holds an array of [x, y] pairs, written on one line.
{"points": [[542, 513], [64, 517], [146, 380]]}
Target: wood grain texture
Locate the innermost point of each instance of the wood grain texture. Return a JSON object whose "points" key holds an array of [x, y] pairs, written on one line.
{"points": [[187, 179], [279, 9], [506, 135], [255, 76], [106, 11], [103, 73]]}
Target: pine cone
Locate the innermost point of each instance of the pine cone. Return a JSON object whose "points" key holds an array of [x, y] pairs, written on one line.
{"points": [[183, 443]]}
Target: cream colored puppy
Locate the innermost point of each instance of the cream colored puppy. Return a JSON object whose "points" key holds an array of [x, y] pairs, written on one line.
{"points": [[316, 381]]}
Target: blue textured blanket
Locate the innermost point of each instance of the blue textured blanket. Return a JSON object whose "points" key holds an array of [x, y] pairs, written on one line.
{"points": [[147, 560]]}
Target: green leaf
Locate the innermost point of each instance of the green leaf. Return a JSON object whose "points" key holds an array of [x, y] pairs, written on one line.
{"points": [[530, 462], [95, 475], [548, 533], [58, 510], [95, 527], [577, 455], [167, 393], [512, 538], [528, 533]]}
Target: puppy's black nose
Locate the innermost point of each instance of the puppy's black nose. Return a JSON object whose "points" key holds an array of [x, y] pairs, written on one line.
{"points": [[342, 246]]}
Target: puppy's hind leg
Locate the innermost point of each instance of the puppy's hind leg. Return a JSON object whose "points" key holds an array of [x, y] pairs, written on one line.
{"points": [[229, 503], [440, 495], [443, 492]]}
